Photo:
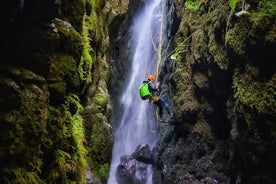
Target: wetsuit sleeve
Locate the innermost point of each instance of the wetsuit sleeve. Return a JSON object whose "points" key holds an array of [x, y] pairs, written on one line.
{"points": [[152, 87]]}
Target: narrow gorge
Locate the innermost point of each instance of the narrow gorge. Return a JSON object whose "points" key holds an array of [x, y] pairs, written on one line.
{"points": [[70, 108]]}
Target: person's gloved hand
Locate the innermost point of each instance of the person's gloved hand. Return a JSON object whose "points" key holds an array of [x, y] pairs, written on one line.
{"points": [[157, 84]]}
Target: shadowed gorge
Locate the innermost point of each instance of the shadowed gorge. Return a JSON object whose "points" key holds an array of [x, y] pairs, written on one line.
{"points": [[65, 65]]}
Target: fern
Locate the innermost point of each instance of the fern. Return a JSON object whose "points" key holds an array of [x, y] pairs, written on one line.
{"points": [[62, 159], [32, 178], [21, 176], [180, 52], [233, 3]]}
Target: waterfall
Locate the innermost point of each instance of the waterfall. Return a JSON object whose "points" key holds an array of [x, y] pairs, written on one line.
{"points": [[138, 117]]}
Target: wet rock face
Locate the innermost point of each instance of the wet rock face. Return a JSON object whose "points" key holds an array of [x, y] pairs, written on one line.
{"points": [[218, 84], [134, 168], [21, 121], [42, 82], [143, 154], [135, 173]]}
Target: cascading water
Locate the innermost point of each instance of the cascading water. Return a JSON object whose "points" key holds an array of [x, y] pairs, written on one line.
{"points": [[138, 117]]}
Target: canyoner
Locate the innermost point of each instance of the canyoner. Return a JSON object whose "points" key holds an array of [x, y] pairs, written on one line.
{"points": [[148, 90]]}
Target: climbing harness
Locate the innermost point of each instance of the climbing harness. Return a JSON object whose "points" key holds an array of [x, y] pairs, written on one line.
{"points": [[153, 98]]}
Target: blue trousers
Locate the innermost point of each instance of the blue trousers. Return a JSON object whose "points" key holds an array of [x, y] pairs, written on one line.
{"points": [[161, 103]]}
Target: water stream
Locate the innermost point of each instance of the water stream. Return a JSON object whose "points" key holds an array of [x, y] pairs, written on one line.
{"points": [[138, 121]]}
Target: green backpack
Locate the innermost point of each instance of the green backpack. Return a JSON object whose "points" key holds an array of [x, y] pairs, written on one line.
{"points": [[144, 91]]}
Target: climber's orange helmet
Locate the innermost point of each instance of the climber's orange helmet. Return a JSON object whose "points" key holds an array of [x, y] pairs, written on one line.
{"points": [[151, 77]]}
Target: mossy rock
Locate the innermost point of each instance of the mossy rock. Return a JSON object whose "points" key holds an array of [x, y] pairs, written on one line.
{"points": [[101, 148], [236, 37], [24, 126], [73, 11], [204, 129], [63, 74], [67, 161], [218, 52], [254, 91], [201, 81], [70, 41]]}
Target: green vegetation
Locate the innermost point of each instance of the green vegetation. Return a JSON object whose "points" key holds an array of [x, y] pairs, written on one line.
{"points": [[233, 3], [254, 92], [20, 176], [179, 52], [190, 5], [98, 134], [86, 62], [219, 52], [23, 131], [235, 38], [267, 9], [42, 139], [100, 99], [100, 149], [102, 172], [68, 163]]}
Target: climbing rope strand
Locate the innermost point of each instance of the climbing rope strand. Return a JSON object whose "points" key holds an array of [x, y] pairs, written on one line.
{"points": [[160, 40], [160, 48], [198, 29], [159, 51]]}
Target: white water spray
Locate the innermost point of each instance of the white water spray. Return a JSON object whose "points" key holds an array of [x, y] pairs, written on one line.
{"points": [[138, 117]]}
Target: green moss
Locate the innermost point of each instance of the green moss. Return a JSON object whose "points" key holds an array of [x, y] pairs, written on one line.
{"points": [[233, 3], [200, 80], [21, 176], [73, 11], [262, 21], [180, 52], [23, 129], [95, 23], [86, 62], [267, 9], [101, 146], [68, 164], [78, 134], [102, 172], [204, 129], [220, 56], [219, 53], [259, 134], [70, 40], [63, 72], [236, 37], [100, 99], [190, 5], [254, 91]]}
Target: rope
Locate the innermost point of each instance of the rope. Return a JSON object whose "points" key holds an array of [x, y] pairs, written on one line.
{"points": [[198, 29], [160, 41], [159, 51]]}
